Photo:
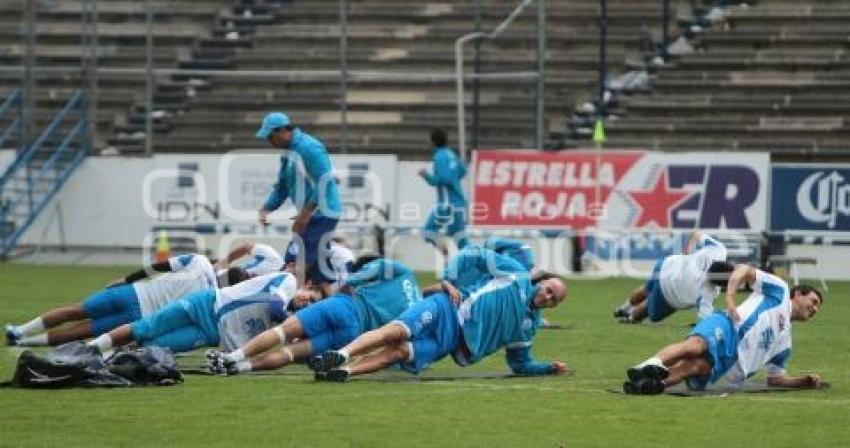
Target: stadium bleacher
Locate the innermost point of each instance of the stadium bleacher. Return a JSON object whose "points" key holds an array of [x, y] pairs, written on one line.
{"points": [[770, 77]]}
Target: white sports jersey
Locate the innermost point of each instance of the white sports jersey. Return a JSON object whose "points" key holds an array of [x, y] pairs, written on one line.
{"points": [[245, 310], [339, 261], [684, 278], [264, 260], [189, 273], [764, 332]]}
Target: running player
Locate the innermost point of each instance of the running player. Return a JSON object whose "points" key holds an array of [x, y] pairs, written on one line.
{"points": [[450, 211]]}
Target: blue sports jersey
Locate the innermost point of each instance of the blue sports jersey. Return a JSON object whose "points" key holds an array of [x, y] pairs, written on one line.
{"points": [[519, 251], [474, 266], [499, 314], [448, 170], [383, 289], [305, 172]]}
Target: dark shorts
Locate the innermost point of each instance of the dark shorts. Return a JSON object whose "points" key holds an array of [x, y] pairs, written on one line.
{"points": [[310, 242]]}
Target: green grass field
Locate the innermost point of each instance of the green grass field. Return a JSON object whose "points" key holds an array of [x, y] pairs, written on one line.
{"points": [[291, 410]]}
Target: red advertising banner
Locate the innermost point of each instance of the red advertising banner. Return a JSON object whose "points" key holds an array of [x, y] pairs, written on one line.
{"points": [[545, 189]]}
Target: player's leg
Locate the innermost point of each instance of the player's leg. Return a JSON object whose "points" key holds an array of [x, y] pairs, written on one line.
{"points": [[629, 308], [182, 339], [373, 362], [457, 227], [656, 367], [431, 230], [686, 368], [75, 332], [315, 238], [173, 316], [108, 310], [31, 333], [282, 334], [419, 320], [388, 335], [277, 359]]}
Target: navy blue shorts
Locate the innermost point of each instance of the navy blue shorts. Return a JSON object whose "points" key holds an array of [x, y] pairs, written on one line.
{"points": [[434, 331], [330, 324], [112, 307], [719, 335], [657, 306]]}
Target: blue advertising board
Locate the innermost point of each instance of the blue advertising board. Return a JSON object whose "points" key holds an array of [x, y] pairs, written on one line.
{"points": [[810, 198]]}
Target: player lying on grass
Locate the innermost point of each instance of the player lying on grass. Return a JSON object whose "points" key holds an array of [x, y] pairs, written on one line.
{"points": [[262, 258], [333, 264], [502, 312], [372, 296], [227, 317], [126, 300], [734, 344], [679, 282], [470, 267], [332, 267]]}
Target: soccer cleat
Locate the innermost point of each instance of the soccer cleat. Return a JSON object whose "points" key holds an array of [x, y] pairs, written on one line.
{"points": [[12, 337], [646, 386], [337, 375], [320, 376], [217, 364], [326, 361], [646, 370]]}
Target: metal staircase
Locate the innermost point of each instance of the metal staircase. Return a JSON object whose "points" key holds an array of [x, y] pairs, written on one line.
{"points": [[40, 170]]}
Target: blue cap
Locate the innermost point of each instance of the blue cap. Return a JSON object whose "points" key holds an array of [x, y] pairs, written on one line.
{"points": [[271, 122]]}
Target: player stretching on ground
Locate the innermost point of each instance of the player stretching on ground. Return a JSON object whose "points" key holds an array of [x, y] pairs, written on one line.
{"points": [[228, 317], [263, 260], [369, 298], [735, 343], [450, 210], [679, 282], [126, 300], [503, 312]]}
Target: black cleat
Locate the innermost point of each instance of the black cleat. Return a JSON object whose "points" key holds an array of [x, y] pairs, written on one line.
{"points": [[326, 361], [338, 375], [646, 386], [12, 338], [653, 371]]}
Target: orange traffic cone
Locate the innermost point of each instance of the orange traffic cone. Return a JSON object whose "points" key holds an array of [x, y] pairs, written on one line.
{"points": [[163, 252]]}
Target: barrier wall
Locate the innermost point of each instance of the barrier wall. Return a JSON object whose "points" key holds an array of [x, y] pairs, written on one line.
{"points": [[650, 201]]}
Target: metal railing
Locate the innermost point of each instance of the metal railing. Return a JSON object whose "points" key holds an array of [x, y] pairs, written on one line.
{"points": [[36, 174]]}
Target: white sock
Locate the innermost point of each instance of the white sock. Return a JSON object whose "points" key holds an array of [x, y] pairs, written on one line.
{"points": [[344, 354], [652, 361], [235, 356], [102, 342], [39, 340], [243, 366], [34, 326]]}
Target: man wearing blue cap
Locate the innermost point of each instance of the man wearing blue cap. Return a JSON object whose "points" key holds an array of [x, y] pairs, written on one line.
{"points": [[305, 177]]}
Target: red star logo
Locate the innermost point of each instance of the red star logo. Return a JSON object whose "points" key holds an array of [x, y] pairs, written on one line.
{"points": [[656, 203]]}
